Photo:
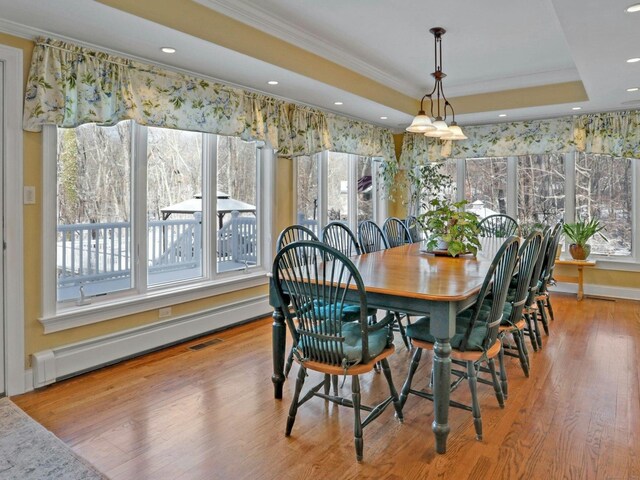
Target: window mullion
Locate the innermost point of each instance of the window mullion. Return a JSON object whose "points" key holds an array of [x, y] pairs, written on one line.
{"points": [[139, 208], [49, 223], [512, 187], [570, 187], [635, 205], [323, 171], [210, 205], [352, 189]]}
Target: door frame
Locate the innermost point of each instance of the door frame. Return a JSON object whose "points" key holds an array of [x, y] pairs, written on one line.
{"points": [[12, 160]]}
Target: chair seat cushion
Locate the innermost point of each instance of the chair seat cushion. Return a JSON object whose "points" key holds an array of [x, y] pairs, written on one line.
{"points": [[421, 330], [378, 340]]}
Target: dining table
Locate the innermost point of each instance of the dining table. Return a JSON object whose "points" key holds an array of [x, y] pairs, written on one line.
{"points": [[411, 280]]}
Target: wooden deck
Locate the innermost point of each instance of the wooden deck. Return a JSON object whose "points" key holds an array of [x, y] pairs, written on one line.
{"points": [[210, 413]]}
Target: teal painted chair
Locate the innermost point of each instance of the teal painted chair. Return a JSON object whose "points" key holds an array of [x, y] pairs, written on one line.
{"points": [[373, 239], [498, 226], [293, 233], [530, 310], [476, 341], [397, 232], [416, 229], [337, 235], [325, 343], [513, 322], [543, 299]]}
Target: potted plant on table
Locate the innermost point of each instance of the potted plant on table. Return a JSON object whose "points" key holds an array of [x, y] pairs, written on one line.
{"points": [[452, 229], [580, 233]]}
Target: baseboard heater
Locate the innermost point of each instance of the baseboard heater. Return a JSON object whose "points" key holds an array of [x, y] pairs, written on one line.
{"points": [[66, 361]]}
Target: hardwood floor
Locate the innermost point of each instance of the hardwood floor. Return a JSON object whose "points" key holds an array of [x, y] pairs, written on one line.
{"points": [[210, 413]]}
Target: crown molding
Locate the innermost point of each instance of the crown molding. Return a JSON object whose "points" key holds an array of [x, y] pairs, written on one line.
{"points": [[262, 19]]}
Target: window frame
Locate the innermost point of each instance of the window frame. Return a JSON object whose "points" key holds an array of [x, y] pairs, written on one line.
{"points": [[58, 316]]}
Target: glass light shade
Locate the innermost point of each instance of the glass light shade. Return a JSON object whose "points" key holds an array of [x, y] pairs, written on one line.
{"points": [[455, 133], [421, 124], [441, 129]]}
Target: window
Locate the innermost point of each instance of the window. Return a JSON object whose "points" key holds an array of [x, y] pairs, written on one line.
{"points": [[550, 188], [146, 209], [604, 190], [541, 189], [333, 186], [485, 185]]}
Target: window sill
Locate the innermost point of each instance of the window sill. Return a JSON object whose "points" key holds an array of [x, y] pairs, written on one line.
{"points": [[74, 317]]}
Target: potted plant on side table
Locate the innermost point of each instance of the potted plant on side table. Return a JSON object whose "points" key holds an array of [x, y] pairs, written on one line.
{"points": [[580, 233], [452, 229]]}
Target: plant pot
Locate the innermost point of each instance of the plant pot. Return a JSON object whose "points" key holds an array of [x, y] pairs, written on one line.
{"points": [[442, 245], [579, 252]]}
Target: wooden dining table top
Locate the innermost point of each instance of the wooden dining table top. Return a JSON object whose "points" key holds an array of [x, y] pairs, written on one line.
{"points": [[408, 271]]}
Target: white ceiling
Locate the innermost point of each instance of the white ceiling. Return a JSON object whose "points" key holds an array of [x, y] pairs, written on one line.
{"points": [[490, 46]]}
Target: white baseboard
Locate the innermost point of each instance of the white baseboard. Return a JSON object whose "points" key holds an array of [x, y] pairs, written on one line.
{"points": [[599, 290], [62, 362]]}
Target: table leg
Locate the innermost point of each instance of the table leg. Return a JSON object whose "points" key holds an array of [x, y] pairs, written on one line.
{"points": [[441, 390], [442, 330], [580, 283], [279, 337]]}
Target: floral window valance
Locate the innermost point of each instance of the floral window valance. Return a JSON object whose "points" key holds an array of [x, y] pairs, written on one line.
{"points": [[70, 85], [616, 133]]}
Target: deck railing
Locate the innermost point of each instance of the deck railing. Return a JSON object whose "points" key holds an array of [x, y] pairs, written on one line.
{"points": [[94, 252]]}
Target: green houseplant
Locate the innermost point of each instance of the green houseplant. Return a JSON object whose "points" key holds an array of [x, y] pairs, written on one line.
{"points": [[580, 233], [452, 228]]}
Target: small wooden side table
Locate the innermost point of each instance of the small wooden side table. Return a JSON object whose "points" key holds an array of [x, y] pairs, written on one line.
{"points": [[580, 264]]}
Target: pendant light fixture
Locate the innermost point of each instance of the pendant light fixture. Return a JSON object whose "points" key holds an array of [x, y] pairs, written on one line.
{"points": [[422, 122]]}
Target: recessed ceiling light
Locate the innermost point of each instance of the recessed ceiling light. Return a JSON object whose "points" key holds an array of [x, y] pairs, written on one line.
{"points": [[633, 89], [576, 108], [633, 8], [168, 49], [272, 82], [502, 115], [633, 60], [337, 103], [383, 118]]}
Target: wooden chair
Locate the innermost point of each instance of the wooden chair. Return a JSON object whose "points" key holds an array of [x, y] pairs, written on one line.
{"points": [[293, 233], [476, 341], [513, 322], [337, 235], [416, 230], [397, 232], [499, 226], [543, 300], [530, 310], [371, 237], [325, 343], [340, 237]]}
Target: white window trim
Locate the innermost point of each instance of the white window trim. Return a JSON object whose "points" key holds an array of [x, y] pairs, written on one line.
{"points": [[13, 215], [56, 317]]}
